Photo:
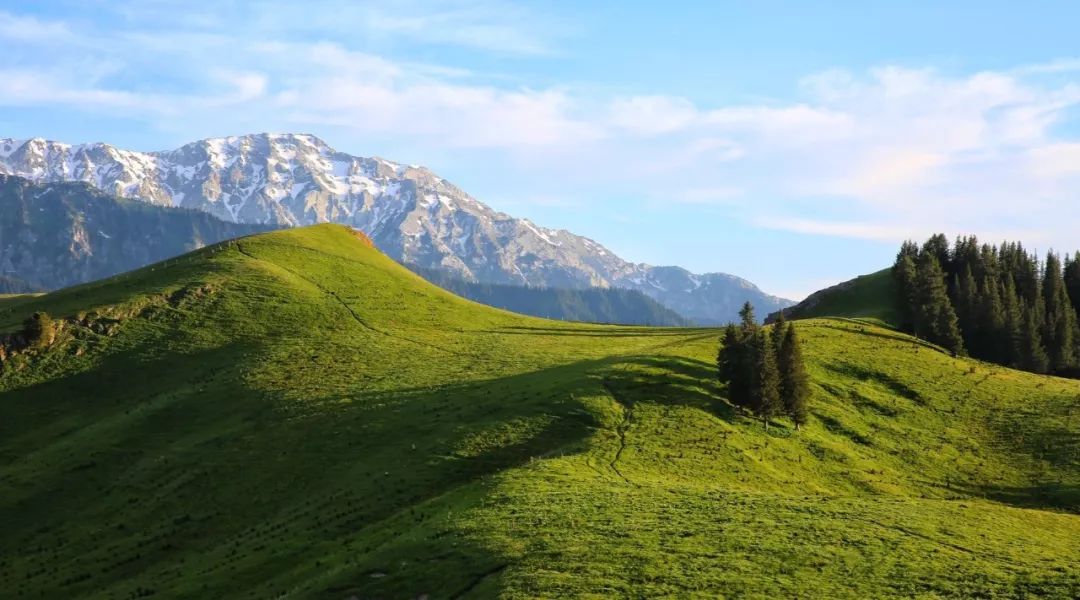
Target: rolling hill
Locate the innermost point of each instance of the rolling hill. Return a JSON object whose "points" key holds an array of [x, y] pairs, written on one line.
{"points": [[868, 297], [293, 414]]}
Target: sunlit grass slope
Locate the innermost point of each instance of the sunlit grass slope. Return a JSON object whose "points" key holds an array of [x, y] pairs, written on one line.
{"points": [[870, 296], [293, 414]]}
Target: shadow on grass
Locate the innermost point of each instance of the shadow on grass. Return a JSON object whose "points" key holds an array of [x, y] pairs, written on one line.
{"points": [[668, 380], [890, 383], [238, 491], [1057, 496]]}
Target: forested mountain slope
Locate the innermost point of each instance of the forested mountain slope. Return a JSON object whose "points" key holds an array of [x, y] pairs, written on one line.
{"points": [[294, 414], [60, 234], [586, 305]]}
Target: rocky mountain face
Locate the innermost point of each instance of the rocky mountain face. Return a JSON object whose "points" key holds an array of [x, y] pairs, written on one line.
{"points": [[411, 213], [61, 234]]}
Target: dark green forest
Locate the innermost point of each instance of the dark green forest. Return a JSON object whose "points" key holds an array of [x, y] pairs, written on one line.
{"points": [[998, 303]]}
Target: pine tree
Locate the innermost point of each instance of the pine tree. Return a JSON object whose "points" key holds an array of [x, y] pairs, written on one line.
{"points": [[947, 330], [909, 249], [935, 319], [938, 247], [1009, 344], [765, 393], [988, 328], [779, 330], [747, 321], [794, 383], [1059, 318], [733, 366], [904, 275], [967, 306], [1072, 280], [1032, 354]]}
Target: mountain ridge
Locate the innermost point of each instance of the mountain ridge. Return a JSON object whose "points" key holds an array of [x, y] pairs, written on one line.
{"points": [[614, 306], [410, 212], [68, 233]]}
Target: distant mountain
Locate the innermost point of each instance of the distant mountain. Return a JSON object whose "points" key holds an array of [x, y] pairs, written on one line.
{"points": [[589, 305], [60, 234], [412, 214], [14, 285]]}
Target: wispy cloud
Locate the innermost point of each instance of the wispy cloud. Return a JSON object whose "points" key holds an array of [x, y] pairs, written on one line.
{"points": [[31, 30], [1061, 65]]}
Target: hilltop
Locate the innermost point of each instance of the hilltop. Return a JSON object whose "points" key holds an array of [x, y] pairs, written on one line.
{"points": [[870, 297], [295, 414]]}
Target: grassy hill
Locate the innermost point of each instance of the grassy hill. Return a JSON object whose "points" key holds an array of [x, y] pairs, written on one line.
{"points": [[870, 297], [294, 414]]}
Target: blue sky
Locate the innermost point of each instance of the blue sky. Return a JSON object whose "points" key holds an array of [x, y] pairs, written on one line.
{"points": [[791, 143]]}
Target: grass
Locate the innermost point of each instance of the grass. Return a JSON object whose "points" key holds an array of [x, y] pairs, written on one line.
{"points": [[870, 297], [293, 414]]}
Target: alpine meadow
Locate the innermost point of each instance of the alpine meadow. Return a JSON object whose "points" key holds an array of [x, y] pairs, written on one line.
{"points": [[295, 414], [471, 299]]}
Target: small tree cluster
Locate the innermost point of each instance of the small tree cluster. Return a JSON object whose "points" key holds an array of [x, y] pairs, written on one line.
{"points": [[1000, 303], [764, 370]]}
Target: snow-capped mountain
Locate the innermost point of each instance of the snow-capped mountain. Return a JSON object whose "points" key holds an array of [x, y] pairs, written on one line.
{"points": [[411, 213]]}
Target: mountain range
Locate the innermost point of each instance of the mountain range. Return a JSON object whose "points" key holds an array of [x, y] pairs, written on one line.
{"points": [[586, 305], [411, 213], [55, 235], [63, 234]]}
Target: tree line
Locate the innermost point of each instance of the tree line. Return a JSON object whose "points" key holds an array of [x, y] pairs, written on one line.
{"points": [[764, 368], [995, 303]]}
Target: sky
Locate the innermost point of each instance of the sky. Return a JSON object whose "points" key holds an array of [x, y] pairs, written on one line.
{"points": [[795, 144]]}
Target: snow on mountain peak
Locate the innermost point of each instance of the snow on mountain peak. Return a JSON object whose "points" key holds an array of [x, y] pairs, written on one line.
{"points": [[410, 212]]}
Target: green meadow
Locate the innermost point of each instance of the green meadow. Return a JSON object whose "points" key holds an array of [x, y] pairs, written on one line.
{"points": [[293, 414]]}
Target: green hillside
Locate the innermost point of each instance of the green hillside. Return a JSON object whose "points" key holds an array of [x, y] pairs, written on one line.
{"points": [[295, 415], [866, 297]]}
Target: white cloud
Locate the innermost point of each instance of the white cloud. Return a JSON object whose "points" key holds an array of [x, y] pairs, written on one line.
{"points": [[858, 230], [1055, 160], [651, 115], [1061, 65], [30, 30]]}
